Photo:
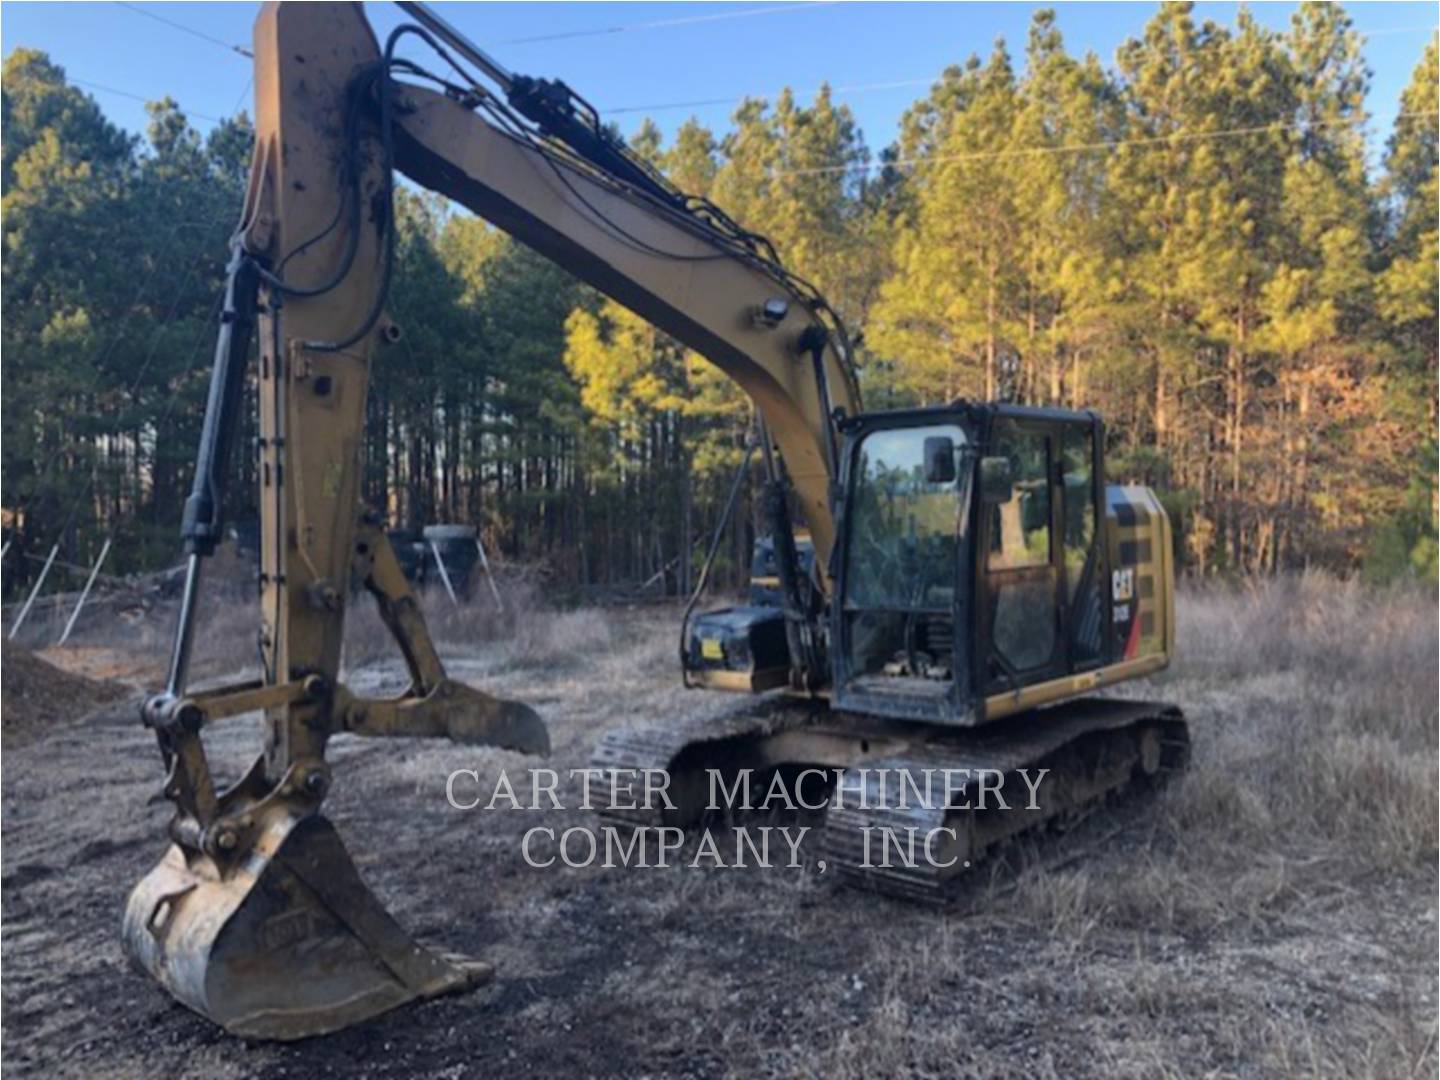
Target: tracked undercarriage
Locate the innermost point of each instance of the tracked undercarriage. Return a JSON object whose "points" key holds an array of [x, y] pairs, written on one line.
{"points": [[908, 809]]}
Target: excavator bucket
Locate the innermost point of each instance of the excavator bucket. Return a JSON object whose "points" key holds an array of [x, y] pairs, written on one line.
{"points": [[285, 944]]}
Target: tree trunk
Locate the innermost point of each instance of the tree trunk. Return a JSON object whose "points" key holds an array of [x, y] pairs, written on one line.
{"points": [[990, 340]]}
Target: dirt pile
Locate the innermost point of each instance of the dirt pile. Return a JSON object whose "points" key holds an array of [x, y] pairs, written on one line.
{"points": [[35, 695]]}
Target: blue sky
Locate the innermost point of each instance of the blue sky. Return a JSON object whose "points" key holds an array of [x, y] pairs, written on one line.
{"points": [[863, 49]]}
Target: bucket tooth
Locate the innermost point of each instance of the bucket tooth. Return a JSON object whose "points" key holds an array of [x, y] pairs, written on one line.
{"points": [[286, 943]]}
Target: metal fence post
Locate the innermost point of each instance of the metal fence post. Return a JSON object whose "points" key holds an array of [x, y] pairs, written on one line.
{"points": [[29, 603], [444, 574], [85, 593], [489, 576]]}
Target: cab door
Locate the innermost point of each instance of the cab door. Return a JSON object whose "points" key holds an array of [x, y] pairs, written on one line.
{"points": [[1086, 597], [1021, 565], [1043, 572]]}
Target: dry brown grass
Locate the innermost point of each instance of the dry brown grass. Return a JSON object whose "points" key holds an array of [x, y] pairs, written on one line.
{"points": [[527, 633], [1271, 914], [1314, 709], [1294, 863]]}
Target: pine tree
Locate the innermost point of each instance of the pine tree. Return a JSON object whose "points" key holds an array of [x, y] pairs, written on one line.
{"points": [[794, 174], [1190, 243], [1407, 291], [1319, 288], [1408, 286], [950, 314], [112, 258], [1064, 105]]}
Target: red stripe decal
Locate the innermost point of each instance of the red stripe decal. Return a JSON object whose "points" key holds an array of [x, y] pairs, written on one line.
{"points": [[1132, 644]]}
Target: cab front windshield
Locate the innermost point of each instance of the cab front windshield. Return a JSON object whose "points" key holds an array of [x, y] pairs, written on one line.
{"points": [[902, 544]]}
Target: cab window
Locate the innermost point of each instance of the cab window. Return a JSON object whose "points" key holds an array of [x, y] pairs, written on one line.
{"points": [[1021, 575], [1020, 527], [903, 526]]}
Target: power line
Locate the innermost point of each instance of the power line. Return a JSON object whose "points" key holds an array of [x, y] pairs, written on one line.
{"points": [[859, 88], [664, 106], [896, 84], [227, 46], [658, 24], [239, 101], [137, 97], [1073, 148]]}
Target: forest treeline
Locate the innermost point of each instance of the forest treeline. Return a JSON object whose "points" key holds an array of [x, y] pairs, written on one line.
{"points": [[1190, 240]]}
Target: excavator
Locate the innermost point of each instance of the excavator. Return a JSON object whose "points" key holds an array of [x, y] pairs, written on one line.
{"points": [[969, 577]]}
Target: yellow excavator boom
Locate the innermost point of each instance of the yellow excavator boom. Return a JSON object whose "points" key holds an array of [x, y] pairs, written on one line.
{"points": [[256, 893]]}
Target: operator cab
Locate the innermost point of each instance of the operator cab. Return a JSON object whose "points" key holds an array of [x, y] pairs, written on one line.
{"points": [[969, 561]]}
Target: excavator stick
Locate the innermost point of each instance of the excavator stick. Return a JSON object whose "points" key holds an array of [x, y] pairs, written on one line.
{"points": [[256, 916]]}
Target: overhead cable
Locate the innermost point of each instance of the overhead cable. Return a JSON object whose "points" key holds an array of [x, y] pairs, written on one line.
{"points": [[137, 97], [228, 46], [896, 84], [658, 24], [1072, 148], [859, 88]]}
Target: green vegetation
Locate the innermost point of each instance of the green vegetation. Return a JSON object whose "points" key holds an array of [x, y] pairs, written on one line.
{"points": [[1189, 241]]}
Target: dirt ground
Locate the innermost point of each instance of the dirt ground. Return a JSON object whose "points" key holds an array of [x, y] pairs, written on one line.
{"points": [[1272, 914], [35, 695]]}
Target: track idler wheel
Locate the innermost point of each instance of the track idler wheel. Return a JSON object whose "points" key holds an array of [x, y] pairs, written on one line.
{"points": [[284, 942]]}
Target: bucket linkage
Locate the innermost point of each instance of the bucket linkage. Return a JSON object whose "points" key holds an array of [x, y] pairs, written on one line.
{"points": [[256, 917]]}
